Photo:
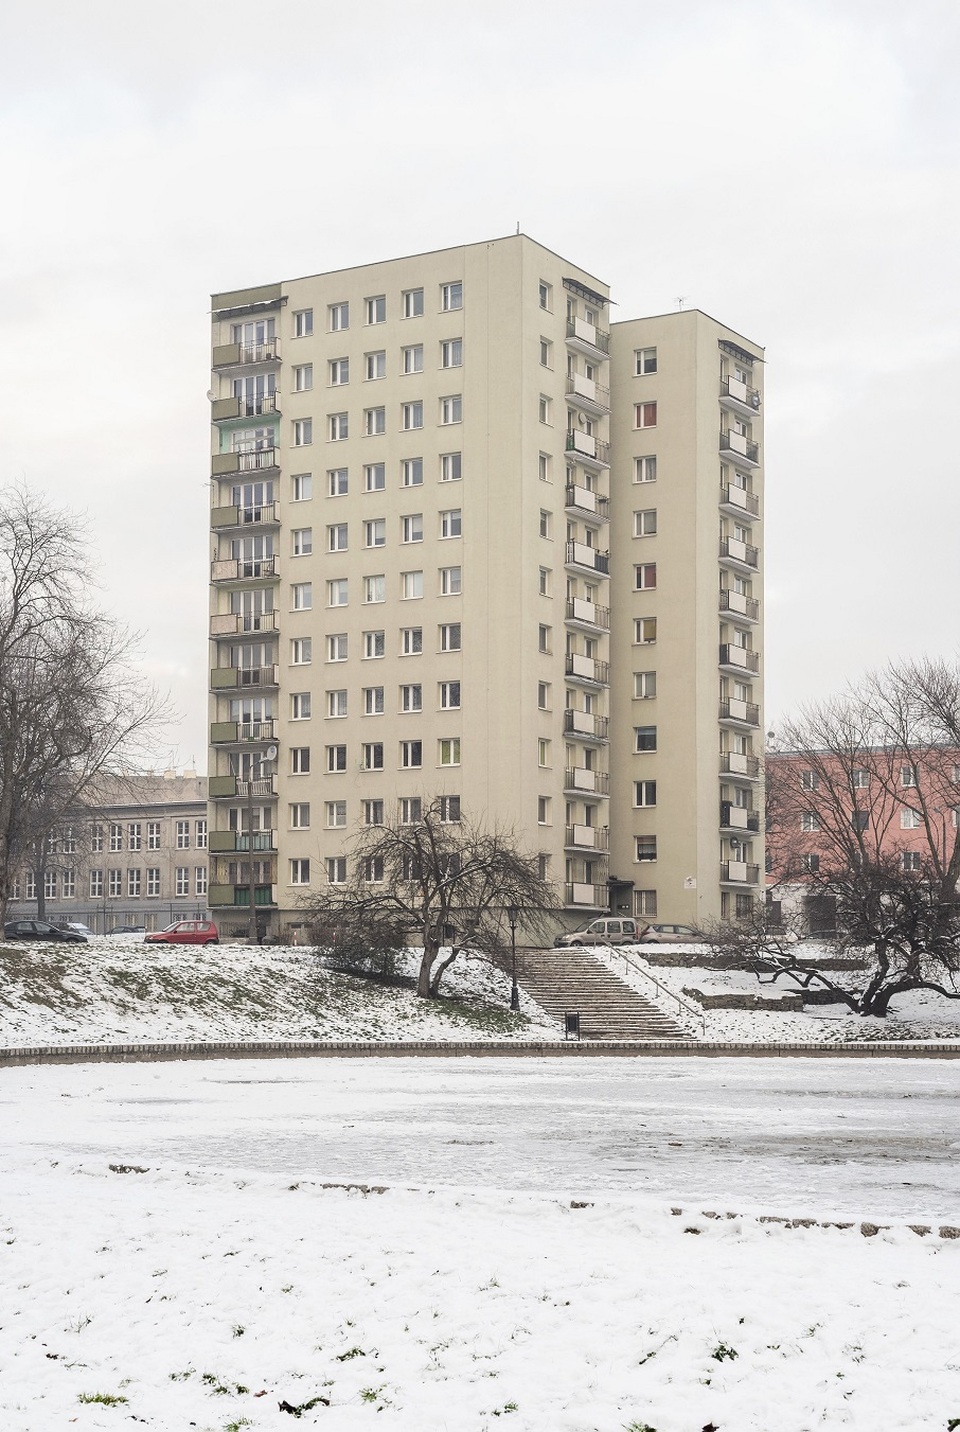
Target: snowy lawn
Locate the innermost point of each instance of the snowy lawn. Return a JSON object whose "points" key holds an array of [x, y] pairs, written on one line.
{"points": [[167, 1240]]}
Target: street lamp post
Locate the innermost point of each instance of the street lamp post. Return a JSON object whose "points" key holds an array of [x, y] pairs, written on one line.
{"points": [[512, 913]]}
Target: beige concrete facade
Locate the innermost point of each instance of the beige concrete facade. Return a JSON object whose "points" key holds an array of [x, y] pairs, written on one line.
{"points": [[413, 506]]}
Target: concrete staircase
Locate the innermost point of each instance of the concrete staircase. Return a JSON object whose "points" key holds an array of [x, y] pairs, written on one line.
{"points": [[573, 979]]}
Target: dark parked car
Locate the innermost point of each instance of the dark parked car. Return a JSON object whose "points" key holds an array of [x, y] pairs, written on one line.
{"points": [[41, 930], [128, 930]]}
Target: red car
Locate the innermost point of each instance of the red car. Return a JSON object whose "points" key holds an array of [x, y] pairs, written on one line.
{"points": [[185, 932]]}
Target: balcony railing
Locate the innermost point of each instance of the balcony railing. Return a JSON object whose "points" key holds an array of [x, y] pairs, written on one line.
{"points": [[584, 336], [234, 733], [226, 842], [587, 837], [230, 678], [237, 355], [745, 713], [241, 569], [582, 499], [739, 395], [586, 724], [739, 498], [588, 448], [734, 817], [238, 896], [739, 553], [578, 554], [585, 613], [740, 658], [739, 605], [736, 763], [587, 668], [236, 623], [739, 872], [225, 464], [267, 514], [740, 448], [587, 897], [585, 393], [237, 788], [245, 405], [581, 780]]}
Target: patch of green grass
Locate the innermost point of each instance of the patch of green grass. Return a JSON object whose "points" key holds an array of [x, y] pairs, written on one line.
{"points": [[106, 1399], [723, 1353]]}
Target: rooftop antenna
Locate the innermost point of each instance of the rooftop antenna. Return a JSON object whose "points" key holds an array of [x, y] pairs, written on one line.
{"points": [[518, 226], [681, 300]]}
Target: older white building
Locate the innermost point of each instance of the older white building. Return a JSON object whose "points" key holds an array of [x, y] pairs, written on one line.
{"points": [[470, 540]]}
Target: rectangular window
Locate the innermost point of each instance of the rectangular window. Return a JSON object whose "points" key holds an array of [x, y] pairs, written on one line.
{"points": [[910, 860], [301, 596], [336, 704], [299, 815], [200, 879], [377, 309], [337, 535], [450, 636], [303, 432], [645, 631], [451, 466], [375, 588], [410, 810], [546, 353], [303, 541], [301, 486], [451, 296], [448, 751], [300, 871], [546, 296], [411, 472], [374, 421], [449, 695], [338, 592], [543, 752], [371, 756], [451, 409], [181, 881], [646, 361], [339, 315], [411, 358], [645, 576], [300, 706], [411, 698], [411, 527], [646, 847], [543, 470], [116, 837], [645, 738], [450, 523], [860, 819], [910, 820], [299, 760], [373, 701], [645, 469], [543, 810], [339, 371], [373, 644], [373, 812], [375, 365], [153, 881], [373, 868], [645, 415], [645, 903], [338, 482], [449, 810], [375, 532], [374, 477], [411, 415], [544, 581], [134, 836], [336, 759], [153, 835], [413, 303], [183, 835], [809, 821], [908, 775], [303, 377], [301, 651], [303, 323], [336, 813], [451, 581], [411, 641], [543, 408], [337, 647], [451, 353], [543, 695], [809, 780], [860, 780], [201, 835], [644, 685], [96, 884], [411, 755], [545, 518], [644, 793], [338, 427], [543, 639], [645, 523]]}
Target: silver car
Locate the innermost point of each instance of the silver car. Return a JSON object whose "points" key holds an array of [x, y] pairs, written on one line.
{"points": [[611, 930]]}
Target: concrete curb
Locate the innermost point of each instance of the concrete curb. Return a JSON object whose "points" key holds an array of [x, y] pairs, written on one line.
{"points": [[322, 1049]]}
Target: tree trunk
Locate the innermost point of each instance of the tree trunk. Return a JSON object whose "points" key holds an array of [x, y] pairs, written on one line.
{"points": [[430, 951]]}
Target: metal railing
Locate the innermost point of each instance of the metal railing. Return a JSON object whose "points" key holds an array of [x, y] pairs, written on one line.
{"points": [[739, 497], [740, 605], [599, 673], [600, 616], [679, 1000], [574, 551], [750, 659], [735, 550]]}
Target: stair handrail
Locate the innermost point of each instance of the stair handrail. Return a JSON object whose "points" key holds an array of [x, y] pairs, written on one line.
{"points": [[679, 999]]}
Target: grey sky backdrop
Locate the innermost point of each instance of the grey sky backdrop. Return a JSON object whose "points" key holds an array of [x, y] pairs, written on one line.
{"points": [[791, 168]]}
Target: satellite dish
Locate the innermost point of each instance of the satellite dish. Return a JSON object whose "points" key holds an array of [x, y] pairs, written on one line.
{"points": [[271, 753]]}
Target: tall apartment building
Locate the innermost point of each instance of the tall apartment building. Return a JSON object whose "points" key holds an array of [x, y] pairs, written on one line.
{"points": [[474, 543]]}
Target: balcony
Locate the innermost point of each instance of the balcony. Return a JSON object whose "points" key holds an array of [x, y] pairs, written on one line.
{"points": [[584, 338], [245, 355], [739, 713], [586, 897], [580, 557], [587, 616], [578, 780], [243, 569], [587, 837], [228, 842], [266, 515], [739, 448], [582, 501], [240, 733], [231, 788], [586, 726], [739, 397], [245, 678], [739, 502], [587, 395], [588, 450], [738, 659], [746, 609], [735, 818], [739, 766], [228, 464], [246, 405], [586, 671], [739, 555], [227, 624], [738, 872], [237, 897]]}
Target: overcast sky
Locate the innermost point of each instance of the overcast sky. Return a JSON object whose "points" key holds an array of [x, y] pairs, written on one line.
{"points": [[789, 166]]}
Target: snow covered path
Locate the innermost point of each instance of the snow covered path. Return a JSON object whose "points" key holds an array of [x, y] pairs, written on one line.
{"points": [[472, 1290]]}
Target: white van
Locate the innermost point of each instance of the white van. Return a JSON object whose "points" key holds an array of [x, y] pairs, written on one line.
{"points": [[610, 930]]}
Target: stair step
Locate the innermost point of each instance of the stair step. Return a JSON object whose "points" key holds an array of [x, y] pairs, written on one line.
{"points": [[561, 981]]}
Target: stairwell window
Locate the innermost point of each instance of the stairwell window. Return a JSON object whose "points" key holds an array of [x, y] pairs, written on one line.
{"points": [[645, 631], [644, 793], [645, 469], [644, 903], [645, 739], [645, 523], [646, 848], [645, 415], [645, 577], [646, 361], [644, 685]]}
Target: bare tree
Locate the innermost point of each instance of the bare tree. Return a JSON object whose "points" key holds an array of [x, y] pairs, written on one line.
{"points": [[863, 793], [72, 705], [446, 886]]}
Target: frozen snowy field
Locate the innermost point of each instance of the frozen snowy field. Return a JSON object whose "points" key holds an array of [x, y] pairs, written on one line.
{"points": [[167, 1239]]}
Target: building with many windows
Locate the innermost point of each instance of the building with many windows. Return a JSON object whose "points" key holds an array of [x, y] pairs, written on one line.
{"points": [[471, 541]]}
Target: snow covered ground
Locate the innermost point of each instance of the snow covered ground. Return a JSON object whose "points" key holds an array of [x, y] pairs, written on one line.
{"points": [[166, 1238]]}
